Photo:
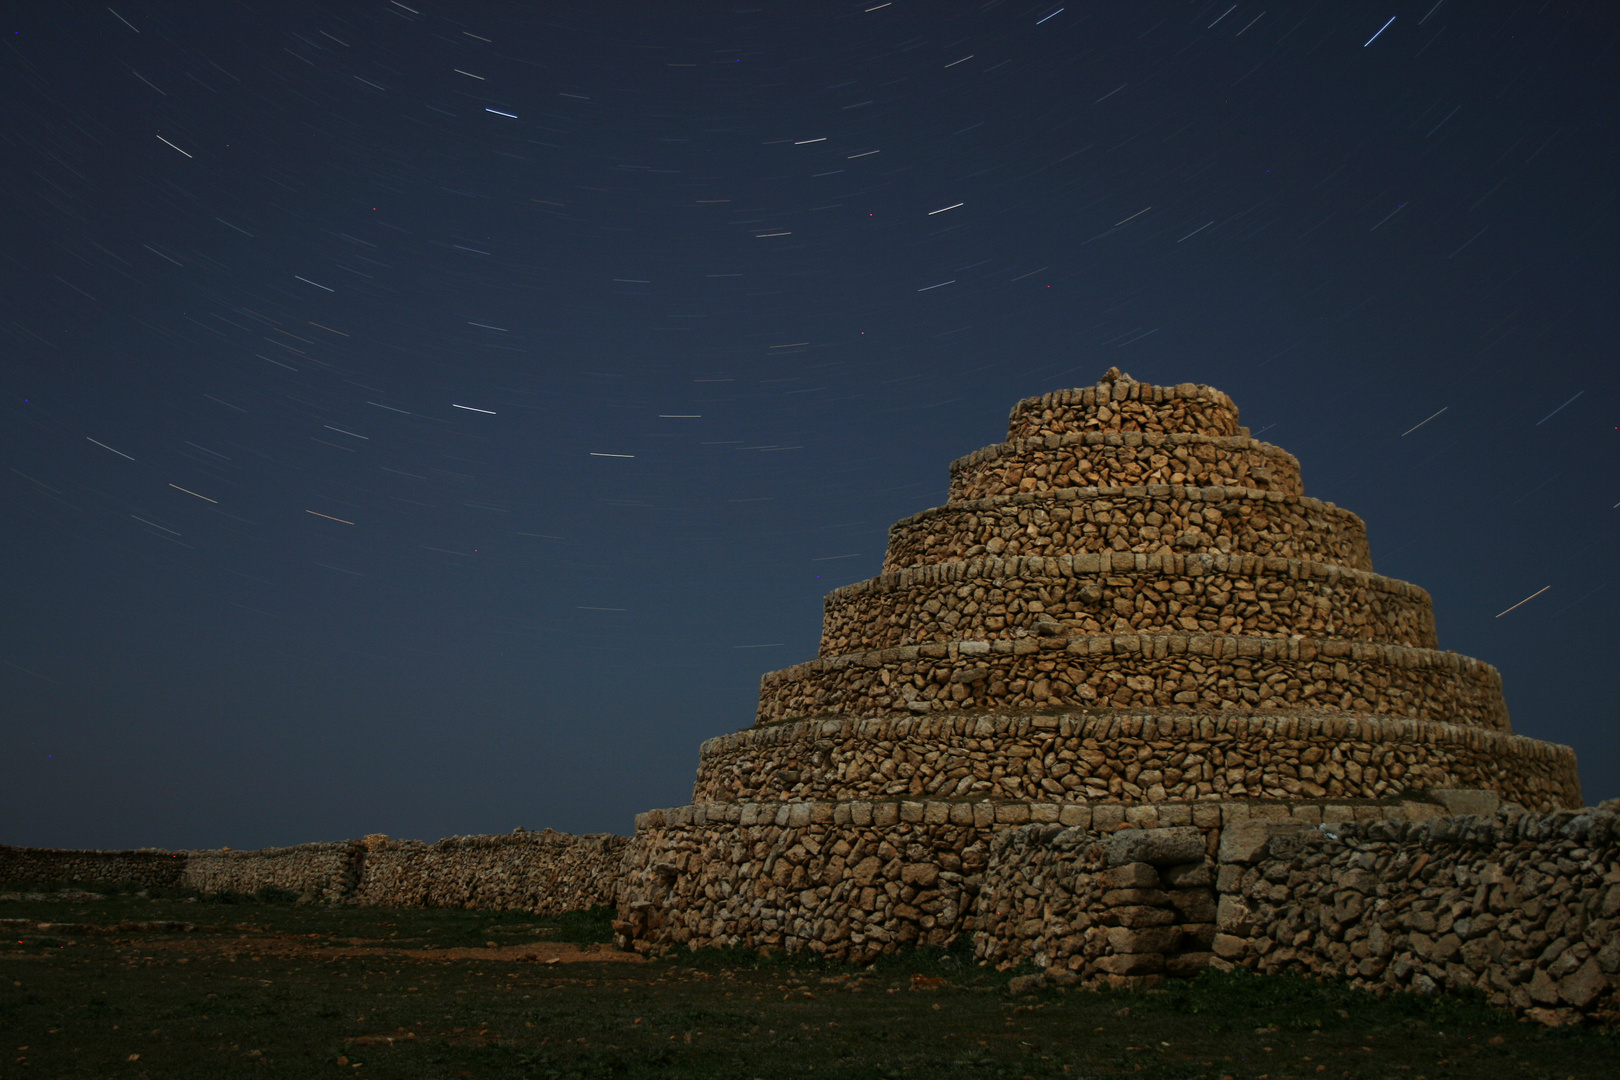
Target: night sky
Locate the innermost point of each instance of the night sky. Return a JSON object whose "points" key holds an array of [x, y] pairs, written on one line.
{"points": [[434, 419]]}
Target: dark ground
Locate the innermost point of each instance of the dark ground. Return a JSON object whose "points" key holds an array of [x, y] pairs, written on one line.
{"points": [[150, 988]]}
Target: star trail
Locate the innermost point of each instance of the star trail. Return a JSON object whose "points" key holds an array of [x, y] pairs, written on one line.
{"points": [[434, 419]]}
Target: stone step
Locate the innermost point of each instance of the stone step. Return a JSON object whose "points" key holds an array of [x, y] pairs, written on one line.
{"points": [[1123, 671], [1130, 756], [1119, 403], [989, 598], [1141, 519], [1124, 459]]}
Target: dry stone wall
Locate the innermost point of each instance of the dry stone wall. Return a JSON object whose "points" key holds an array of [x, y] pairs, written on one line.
{"points": [[859, 878], [145, 867], [545, 872], [1154, 517], [1523, 907], [1122, 459], [1148, 757], [848, 880], [1119, 403], [1085, 907], [991, 599], [318, 871], [1123, 671]]}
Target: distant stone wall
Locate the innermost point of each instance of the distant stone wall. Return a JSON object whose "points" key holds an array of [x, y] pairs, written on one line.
{"points": [[1072, 521], [145, 867], [1123, 459], [989, 599], [1524, 907], [546, 872], [1144, 671], [1128, 757], [317, 871]]}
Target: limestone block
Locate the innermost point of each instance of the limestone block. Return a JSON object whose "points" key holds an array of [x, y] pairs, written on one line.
{"points": [[1136, 875], [1137, 915], [922, 875], [1247, 841], [1542, 988], [1229, 947], [1124, 897], [1232, 916], [1074, 815], [1158, 847], [1195, 905], [1151, 939], [1188, 964], [1187, 876], [1025, 984], [1411, 810], [1477, 801], [1131, 963]]}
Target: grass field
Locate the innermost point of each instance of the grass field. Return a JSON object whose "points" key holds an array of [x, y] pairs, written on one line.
{"points": [[152, 988]]}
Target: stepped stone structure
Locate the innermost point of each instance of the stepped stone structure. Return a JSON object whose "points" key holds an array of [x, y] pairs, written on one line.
{"points": [[1128, 623]]}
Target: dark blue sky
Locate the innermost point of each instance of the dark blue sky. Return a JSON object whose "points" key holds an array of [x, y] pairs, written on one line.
{"points": [[433, 419]]}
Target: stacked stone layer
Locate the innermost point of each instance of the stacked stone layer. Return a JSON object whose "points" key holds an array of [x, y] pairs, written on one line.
{"points": [[1129, 757], [1148, 518], [1122, 671], [991, 599], [1122, 459], [1120, 403]]}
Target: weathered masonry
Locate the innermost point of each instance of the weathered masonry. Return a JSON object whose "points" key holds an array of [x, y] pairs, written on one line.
{"points": [[1128, 633]]}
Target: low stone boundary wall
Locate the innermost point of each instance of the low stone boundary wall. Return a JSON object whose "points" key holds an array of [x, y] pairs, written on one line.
{"points": [[1524, 907], [143, 866], [546, 872], [318, 871]]}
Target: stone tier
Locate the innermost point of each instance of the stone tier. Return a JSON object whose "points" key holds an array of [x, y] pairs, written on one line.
{"points": [[1149, 518], [1125, 405], [859, 878], [1163, 592], [1142, 671], [1153, 756], [1123, 459]]}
